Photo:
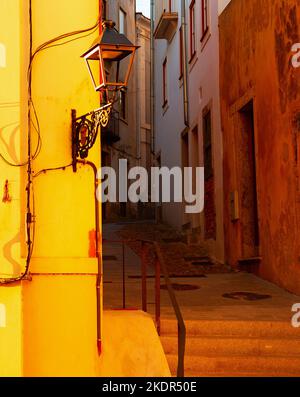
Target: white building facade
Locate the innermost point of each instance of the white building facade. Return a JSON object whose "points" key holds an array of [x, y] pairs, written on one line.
{"points": [[128, 134], [187, 110]]}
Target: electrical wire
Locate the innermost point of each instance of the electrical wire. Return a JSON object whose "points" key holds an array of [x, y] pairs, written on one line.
{"points": [[47, 45], [29, 188], [30, 218], [63, 168], [42, 47], [20, 278]]}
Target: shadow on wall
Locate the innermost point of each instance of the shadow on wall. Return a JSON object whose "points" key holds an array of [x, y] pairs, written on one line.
{"points": [[10, 147], [8, 253]]}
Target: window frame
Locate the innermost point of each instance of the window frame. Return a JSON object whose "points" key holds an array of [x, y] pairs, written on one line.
{"points": [[204, 18], [122, 12], [193, 41]]}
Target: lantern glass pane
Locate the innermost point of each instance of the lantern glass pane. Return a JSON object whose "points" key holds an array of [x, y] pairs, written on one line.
{"points": [[93, 67], [116, 63]]}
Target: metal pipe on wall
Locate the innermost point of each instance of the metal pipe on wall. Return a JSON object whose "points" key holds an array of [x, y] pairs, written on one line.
{"points": [[185, 66], [138, 103], [98, 254], [152, 77]]}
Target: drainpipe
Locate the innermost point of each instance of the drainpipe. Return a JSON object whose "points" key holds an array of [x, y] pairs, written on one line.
{"points": [[152, 77], [137, 97], [185, 66], [98, 254]]}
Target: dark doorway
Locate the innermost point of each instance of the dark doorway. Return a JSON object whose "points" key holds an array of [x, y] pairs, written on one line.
{"points": [[248, 184]]}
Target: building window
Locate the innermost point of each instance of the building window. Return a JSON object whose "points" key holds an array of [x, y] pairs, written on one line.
{"points": [[123, 104], [181, 52], [205, 17], [104, 10], [207, 145], [192, 30], [122, 22], [165, 82]]}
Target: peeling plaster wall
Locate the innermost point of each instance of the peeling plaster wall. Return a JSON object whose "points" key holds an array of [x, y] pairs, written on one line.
{"points": [[256, 64]]}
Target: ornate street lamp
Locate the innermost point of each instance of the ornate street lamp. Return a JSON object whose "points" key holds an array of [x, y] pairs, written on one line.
{"points": [[109, 62], [115, 53]]}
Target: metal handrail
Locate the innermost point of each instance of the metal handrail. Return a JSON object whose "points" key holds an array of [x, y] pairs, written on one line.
{"points": [[160, 264], [180, 321]]}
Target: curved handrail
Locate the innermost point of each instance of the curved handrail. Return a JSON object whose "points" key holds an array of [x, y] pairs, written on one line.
{"points": [[180, 321]]}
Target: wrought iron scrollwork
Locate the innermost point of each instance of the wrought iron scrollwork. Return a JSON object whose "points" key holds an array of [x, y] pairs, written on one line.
{"points": [[85, 130]]}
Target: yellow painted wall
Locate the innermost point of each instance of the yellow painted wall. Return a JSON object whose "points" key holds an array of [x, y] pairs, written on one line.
{"points": [[10, 137], [60, 326], [11, 332], [60, 303], [40, 312], [49, 327], [64, 205], [10, 261]]}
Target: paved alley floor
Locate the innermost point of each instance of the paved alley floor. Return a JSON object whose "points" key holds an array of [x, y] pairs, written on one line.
{"points": [[205, 303]]}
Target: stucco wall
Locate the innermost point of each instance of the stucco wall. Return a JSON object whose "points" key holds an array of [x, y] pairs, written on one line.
{"points": [[11, 263], [255, 64], [203, 92], [64, 202], [169, 121]]}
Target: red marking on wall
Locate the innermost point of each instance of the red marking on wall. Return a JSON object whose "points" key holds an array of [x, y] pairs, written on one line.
{"points": [[92, 245], [6, 196]]}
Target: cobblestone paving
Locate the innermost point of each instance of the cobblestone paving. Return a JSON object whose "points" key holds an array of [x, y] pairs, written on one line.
{"points": [[182, 259]]}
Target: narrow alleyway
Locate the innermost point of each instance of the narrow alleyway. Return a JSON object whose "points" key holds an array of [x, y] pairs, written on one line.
{"points": [[220, 328], [206, 302]]}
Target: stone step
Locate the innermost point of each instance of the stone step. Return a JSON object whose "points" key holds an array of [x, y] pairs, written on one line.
{"points": [[258, 329], [236, 365], [236, 346]]}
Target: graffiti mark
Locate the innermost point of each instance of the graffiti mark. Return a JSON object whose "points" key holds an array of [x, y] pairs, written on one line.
{"points": [[6, 196], [11, 146]]}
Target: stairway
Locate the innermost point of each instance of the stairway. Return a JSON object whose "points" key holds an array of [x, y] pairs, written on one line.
{"points": [[235, 348]]}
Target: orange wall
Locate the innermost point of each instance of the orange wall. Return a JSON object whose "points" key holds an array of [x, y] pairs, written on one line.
{"points": [[255, 62]]}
